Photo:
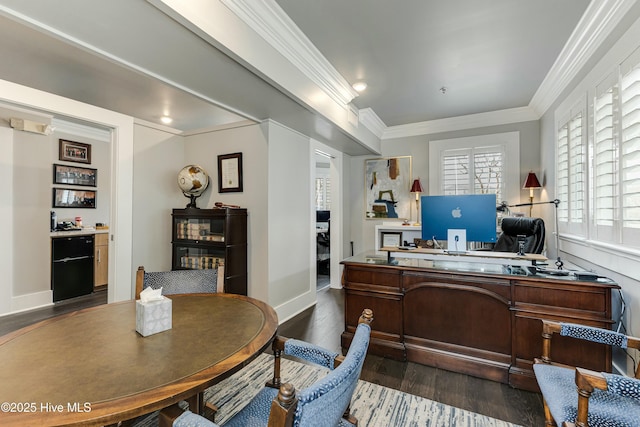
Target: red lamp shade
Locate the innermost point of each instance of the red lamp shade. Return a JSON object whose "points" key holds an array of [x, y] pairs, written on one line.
{"points": [[416, 187], [532, 181]]}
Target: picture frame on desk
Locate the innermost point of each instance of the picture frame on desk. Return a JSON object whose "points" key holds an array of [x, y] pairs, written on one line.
{"points": [[391, 239]]}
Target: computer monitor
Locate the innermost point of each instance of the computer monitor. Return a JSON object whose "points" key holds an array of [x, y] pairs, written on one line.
{"points": [[475, 213]]}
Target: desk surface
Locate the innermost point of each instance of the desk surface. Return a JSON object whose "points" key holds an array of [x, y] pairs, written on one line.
{"points": [[463, 264], [91, 367]]}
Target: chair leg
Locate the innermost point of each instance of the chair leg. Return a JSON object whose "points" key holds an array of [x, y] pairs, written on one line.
{"points": [[277, 347], [196, 403], [547, 415]]}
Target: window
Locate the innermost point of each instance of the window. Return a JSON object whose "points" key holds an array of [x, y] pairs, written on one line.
{"points": [[630, 150], [482, 164], [473, 171], [611, 207], [571, 174], [323, 193], [604, 154]]}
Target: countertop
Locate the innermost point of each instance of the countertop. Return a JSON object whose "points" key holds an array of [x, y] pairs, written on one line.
{"points": [[86, 231]]}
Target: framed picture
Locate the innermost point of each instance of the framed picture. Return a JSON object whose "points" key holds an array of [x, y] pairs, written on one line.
{"points": [[391, 239], [230, 173], [69, 198], [72, 175], [387, 184], [74, 151]]}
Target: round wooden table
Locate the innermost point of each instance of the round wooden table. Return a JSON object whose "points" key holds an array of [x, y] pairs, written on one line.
{"points": [[91, 367]]}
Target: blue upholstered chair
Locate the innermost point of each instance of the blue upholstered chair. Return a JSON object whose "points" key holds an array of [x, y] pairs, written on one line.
{"points": [[177, 281], [324, 403], [582, 397]]}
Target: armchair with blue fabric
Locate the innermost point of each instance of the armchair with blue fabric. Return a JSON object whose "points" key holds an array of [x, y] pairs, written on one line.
{"points": [[178, 281], [580, 397], [324, 403]]}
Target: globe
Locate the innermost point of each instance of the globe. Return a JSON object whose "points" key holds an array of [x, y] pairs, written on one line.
{"points": [[192, 180]]}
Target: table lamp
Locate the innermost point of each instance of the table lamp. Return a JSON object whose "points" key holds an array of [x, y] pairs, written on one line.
{"points": [[531, 183], [416, 188]]}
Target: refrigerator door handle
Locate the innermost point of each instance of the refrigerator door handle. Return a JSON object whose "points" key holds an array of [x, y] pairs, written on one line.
{"points": [[67, 259]]}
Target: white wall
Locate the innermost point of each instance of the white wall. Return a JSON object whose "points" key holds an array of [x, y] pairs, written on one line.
{"points": [[158, 156], [32, 175], [291, 249], [6, 218], [251, 141]]}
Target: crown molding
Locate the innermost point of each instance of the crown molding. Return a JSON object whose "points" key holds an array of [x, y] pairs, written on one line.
{"points": [[370, 120], [269, 20], [597, 23], [471, 121]]}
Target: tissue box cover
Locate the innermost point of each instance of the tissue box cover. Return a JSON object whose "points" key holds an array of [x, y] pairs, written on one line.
{"points": [[153, 316]]}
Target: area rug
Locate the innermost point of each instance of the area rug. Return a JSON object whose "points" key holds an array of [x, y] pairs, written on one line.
{"points": [[373, 405]]}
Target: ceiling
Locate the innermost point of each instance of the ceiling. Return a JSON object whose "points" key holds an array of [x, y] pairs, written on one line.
{"points": [[130, 57], [489, 55]]}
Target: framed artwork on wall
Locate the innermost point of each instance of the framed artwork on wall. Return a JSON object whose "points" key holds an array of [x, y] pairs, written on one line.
{"points": [[70, 198], [230, 173], [74, 151], [387, 183], [73, 175]]}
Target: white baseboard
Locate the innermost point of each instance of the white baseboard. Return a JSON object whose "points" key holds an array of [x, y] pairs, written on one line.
{"points": [[295, 306], [31, 301]]}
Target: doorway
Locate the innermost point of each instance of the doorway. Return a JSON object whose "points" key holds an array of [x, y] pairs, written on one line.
{"points": [[328, 215], [323, 221]]}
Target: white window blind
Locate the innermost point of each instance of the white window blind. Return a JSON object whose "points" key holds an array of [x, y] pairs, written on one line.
{"points": [[473, 171], [562, 172], [571, 173], [577, 162], [323, 193], [630, 149], [605, 157]]}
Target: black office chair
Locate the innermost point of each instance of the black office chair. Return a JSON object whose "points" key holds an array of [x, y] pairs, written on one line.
{"points": [[532, 230]]}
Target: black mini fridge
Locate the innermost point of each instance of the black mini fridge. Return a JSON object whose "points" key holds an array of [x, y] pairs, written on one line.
{"points": [[72, 266]]}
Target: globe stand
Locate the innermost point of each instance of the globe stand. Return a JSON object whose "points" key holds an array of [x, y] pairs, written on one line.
{"points": [[192, 202]]}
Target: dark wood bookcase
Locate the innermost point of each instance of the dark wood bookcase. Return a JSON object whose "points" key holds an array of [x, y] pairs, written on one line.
{"points": [[207, 238]]}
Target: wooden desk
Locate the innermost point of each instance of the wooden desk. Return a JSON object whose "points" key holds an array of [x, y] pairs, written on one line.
{"points": [[91, 367], [477, 319]]}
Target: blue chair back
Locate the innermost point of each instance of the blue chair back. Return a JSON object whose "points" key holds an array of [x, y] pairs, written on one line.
{"points": [[182, 281], [324, 402]]}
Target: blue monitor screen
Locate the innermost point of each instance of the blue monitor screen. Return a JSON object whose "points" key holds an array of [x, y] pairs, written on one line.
{"points": [[475, 213]]}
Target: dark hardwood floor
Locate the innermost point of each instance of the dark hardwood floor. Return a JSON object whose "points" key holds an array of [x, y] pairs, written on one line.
{"points": [[16, 321], [323, 324]]}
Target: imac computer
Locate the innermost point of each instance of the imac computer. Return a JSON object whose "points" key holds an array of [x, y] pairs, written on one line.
{"points": [[473, 216]]}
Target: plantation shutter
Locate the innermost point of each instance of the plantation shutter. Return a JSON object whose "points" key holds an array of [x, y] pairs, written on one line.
{"points": [[323, 193], [630, 150], [473, 171], [455, 172], [562, 179], [576, 170], [605, 159]]}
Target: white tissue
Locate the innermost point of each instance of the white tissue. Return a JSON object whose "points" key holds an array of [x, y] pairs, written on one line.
{"points": [[150, 294]]}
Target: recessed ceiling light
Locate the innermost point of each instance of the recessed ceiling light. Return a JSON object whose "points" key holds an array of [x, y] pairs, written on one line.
{"points": [[166, 120], [359, 86]]}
